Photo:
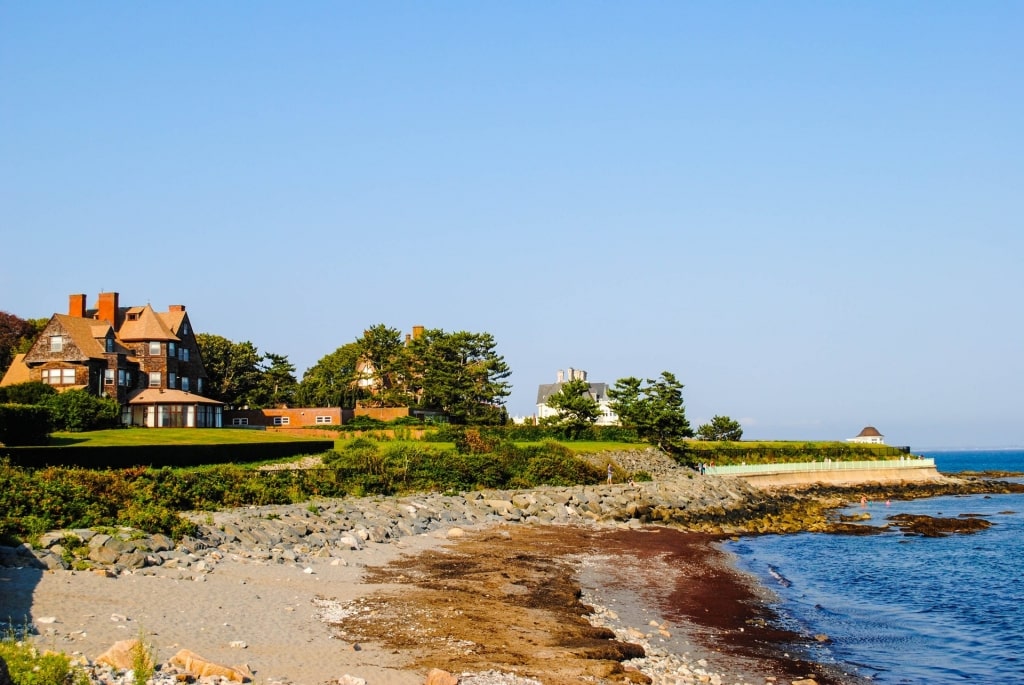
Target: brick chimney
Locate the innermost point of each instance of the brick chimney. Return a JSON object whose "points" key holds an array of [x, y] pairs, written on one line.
{"points": [[76, 306], [417, 332], [107, 309], [176, 308]]}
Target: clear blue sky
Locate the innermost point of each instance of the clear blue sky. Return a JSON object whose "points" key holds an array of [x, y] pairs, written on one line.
{"points": [[810, 212]]}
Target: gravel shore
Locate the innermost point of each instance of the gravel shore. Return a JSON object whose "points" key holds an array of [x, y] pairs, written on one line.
{"points": [[483, 585]]}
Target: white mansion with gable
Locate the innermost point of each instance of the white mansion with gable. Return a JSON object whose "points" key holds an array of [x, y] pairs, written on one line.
{"points": [[598, 391]]}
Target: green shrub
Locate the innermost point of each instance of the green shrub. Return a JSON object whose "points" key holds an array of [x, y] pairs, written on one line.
{"points": [[32, 392], [22, 424], [77, 410], [27, 666]]}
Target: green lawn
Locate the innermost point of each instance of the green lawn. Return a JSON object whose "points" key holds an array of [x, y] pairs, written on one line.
{"points": [[171, 436]]}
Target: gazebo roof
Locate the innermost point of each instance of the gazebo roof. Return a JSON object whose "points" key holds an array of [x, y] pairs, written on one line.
{"points": [[869, 432]]}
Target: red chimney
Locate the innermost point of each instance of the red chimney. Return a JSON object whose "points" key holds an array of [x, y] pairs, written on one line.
{"points": [[76, 306], [107, 309], [176, 308]]}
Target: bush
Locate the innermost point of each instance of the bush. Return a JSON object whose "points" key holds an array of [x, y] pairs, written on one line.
{"points": [[32, 392], [22, 424], [27, 666], [77, 410]]}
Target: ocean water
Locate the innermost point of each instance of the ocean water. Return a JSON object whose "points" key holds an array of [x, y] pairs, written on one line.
{"points": [[907, 609]]}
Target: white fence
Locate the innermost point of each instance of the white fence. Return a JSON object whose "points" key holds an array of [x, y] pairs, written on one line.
{"points": [[814, 466]]}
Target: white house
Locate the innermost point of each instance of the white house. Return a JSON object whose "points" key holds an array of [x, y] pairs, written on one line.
{"points": [[870, 435], [598, 391]]}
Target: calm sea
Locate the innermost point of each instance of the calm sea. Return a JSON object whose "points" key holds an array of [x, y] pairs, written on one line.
{"points": [[902, 609]]}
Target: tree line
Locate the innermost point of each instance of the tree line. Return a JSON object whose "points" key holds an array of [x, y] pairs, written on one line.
{"points": [[457, 374], [654, 408]]}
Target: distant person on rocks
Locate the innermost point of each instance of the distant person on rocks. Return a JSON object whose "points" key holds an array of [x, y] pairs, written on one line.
{"points": [[609, 474]]}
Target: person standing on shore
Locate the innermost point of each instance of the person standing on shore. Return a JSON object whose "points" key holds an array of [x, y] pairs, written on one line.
{"points": [[609, 474]]}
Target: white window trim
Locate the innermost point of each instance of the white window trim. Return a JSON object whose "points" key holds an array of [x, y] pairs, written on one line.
{"points": [[282, 420]]}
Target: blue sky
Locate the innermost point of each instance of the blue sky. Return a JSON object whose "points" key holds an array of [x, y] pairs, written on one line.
{"points": [[810, 212]]}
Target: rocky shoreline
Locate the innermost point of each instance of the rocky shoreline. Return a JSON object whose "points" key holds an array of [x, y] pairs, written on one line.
{"points": [[323, 532]]}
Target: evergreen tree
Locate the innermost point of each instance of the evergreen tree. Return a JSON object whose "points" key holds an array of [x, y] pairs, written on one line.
{"points": [[577, 409], [654, 410]]}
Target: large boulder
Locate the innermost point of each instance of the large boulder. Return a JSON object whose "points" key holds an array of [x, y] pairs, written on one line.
{"points": [[123, 654], [197, 665]]}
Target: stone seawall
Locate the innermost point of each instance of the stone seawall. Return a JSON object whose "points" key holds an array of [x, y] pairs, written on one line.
{"points": [[912, 474]]}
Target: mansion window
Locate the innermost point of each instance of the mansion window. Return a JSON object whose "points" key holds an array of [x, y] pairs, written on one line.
{"points": [[154, 347], [109, 345], [172, 381], [199, 384], [282, 420], [122, 377], [323, 419], [56, 343], [108, 376], [154, 379], [184, 383], [240, 422], [59, 376], [171, 352], [183, 354]]}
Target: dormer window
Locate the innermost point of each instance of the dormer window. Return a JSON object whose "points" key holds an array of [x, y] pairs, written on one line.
{"points": [[133, 316], [109, 345]]}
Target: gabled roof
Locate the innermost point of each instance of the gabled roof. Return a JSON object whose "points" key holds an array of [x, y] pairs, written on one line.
{"points": [[17, 372], [870, 432], [85, 333], [173, 319], [597, 390], [148, 326]]}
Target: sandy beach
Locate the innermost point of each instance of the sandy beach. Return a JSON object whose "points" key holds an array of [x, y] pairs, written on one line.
{"points": [[502, 598]]}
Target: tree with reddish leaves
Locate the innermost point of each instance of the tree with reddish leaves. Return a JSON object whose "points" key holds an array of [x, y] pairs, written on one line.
{"points": [[15, 336]]}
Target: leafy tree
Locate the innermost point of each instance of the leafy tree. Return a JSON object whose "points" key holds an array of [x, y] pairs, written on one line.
{"points": [[14, 331], [654, 410], [332, 381], [277, 385], [720, 428], [78, 410], [384, 366], [233, 369], [32, 392], [459, 374], [577, 409]]}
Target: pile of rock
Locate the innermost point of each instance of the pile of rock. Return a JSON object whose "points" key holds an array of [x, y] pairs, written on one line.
{"points": [[295, 533]]}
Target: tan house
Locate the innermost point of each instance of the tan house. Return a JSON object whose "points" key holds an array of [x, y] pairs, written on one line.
{"points": [[868, 435], [148, 361]]}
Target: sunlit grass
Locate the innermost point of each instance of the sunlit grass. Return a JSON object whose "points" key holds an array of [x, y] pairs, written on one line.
{"points": [[172, 436]]}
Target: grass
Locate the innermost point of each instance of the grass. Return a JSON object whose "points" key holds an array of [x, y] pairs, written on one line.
{"points": [[171, 436], [590, 446]]}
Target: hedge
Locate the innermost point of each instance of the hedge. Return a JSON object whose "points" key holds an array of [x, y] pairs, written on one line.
{"points": [[125, 456], [24, 424]]}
